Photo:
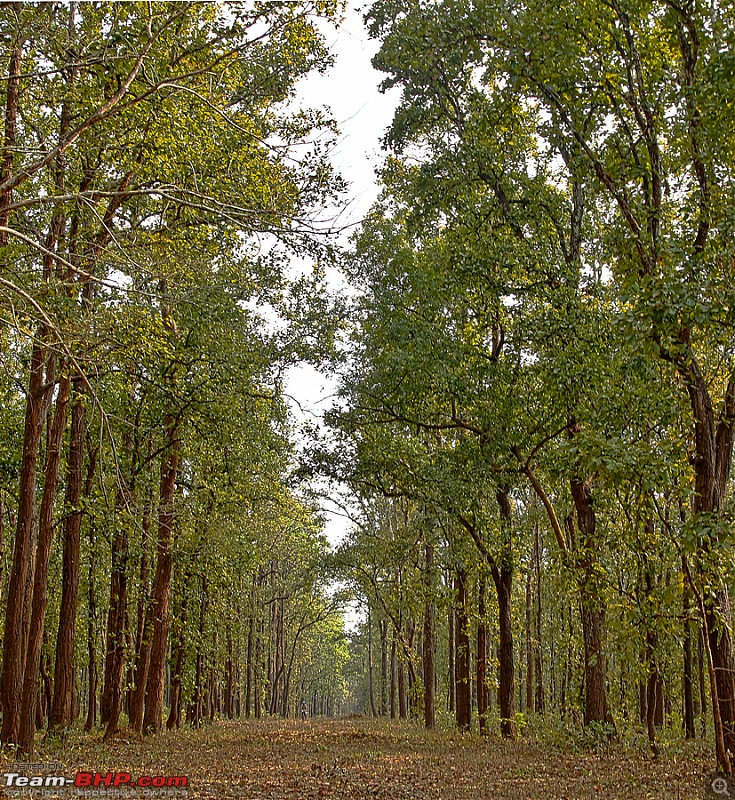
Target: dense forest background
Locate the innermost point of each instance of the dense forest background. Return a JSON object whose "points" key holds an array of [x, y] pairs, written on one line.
{"points": [[533, 348]]}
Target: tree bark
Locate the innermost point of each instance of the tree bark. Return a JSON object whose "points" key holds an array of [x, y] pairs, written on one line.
{"points": [[593, 610], [40, 579], [529, 635], [428, 640], [462, 653], [174, 717], [539, 702], [384, 685], [713, 440], [371, 690], [502, 574], [393, 676], [117, 615], [503, 579], [15, 639], [62, 712], [452, 689], [688, 673], [91, 649], [482, 688], [111, 701], [152, 720], [136, 697]]}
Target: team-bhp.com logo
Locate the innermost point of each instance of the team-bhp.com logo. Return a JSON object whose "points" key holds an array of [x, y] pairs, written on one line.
{"points": [[94, 780]]}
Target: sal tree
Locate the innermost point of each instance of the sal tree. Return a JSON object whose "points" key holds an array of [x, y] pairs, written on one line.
{"points": [[632, 108], [146, 148]]}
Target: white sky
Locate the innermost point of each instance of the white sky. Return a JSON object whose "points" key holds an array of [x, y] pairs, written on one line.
{"points": [[350, 90]]}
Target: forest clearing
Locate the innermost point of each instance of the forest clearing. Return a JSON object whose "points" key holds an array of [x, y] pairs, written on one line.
{"points": [[361, 759]]}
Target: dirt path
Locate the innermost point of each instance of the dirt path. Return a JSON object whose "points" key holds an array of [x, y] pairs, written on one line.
{"points": [[358, 759]]}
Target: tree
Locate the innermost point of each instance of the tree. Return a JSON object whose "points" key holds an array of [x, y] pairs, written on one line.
{"points": [[129, 171]]}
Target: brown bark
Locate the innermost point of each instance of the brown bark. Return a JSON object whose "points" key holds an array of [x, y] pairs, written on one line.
{"points": [[174, 718], [721, 749], [593, 609], [482, 688], [462, 653], [502, 574], [595, 691], [428, 640], [371, 691], [402, 698], [143, 654], [688, 671], [720, 642], [249, 663], [91, 648], [529, 636], [111, 700], [702, 682], [383, 624], [713, 440], [3, 512], [112, 693], [452, 668], [61, 710], [503, 579], [92, 455], [393, 676], [230, 683], [40, 578], [537, 639], [152, 719], [198, 703], [15, 637]]}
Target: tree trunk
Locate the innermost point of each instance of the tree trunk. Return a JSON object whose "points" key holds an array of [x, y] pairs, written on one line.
{"points": [[198, 703], [2, 545], [688, 676], [91, 633], [720, 642], [462, 653], [428, 644], [482, 688], [452, 691], [40, 579], [713, 440], [144, 629], [174, 717], [230, 683], [393, 676], [371, 690], [111, 706], [529, 635], [153, 720], [503, 580], [62, 711], [383, 625], [402, 698], [92, 455], [15, 639], [702, 682], [537, 638], [593, 609], [249, 666], [595, 691]]}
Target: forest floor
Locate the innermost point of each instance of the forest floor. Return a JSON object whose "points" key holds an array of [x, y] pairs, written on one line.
{"points": [[363, 759]]}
